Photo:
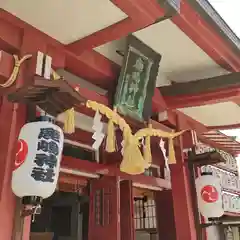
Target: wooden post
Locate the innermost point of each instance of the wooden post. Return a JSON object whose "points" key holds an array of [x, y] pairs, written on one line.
{"points": [[10, 121], [12, 118], [126, 211], [182, 202], [192, 177], [165, 215]]}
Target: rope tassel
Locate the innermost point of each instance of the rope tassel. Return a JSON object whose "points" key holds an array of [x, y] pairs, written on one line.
{"points": [[147, 150], [111, 136], [133, 161], [69, 122], [171, 151]]}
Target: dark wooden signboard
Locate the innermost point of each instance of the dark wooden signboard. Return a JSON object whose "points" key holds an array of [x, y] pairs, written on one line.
{"points": [[137, 80]]}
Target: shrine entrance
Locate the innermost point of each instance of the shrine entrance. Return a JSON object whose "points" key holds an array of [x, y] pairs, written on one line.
{"points": [[64, 216], [85, 214]]}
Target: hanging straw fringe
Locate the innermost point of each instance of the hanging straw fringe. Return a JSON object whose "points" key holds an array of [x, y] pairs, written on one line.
{"points": [[147, 150], [133, 161], [171, 152], [111, 136], [69, 122], [69, 115], [159, 133], [55, 75], [15, 71]]}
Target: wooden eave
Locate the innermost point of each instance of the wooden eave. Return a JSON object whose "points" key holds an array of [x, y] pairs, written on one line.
{"points": [[221, 141], [207, 12], [202, 86], [202, 92]]}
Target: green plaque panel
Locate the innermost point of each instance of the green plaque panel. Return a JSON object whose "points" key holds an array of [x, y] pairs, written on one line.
{"points": [[137, 80]]}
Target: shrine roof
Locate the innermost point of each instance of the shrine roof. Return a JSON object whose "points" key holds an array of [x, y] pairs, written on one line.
{"points": [[220, 140]]}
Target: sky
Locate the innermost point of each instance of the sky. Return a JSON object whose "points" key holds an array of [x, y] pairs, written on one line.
{"points": [[233, 132], [229, 11]]}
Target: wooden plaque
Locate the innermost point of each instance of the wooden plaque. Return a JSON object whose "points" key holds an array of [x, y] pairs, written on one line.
{"points": [[137, 80]]}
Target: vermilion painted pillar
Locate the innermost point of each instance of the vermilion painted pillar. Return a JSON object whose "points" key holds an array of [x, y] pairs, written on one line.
{"points": [[182, 202], [12, 118], [10, 121], [126, 211], [165, 215]]}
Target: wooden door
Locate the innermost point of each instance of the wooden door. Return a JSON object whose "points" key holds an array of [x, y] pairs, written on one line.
{"points": [[60, 216], [104, 219]]}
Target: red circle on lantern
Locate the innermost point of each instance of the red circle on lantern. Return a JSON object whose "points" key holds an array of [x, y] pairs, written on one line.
{"points": [[209, 194], [22, 151]]}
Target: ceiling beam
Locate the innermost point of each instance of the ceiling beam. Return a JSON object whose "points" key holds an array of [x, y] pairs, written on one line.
{"points": [[175, 117], [140, 14], [6, 65], [211, 97], [93, 67], [10, 36], [202, 85]]}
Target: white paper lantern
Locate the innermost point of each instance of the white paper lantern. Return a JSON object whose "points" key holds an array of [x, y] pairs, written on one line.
{"points": [[38, 157], [209, 194]]}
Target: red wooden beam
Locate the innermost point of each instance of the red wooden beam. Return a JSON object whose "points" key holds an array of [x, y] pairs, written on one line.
{"points": [[94, 67], [140, 15], [158, 102], [6, 66], [81, 136], [141, 11], [186, 122], [10, 36], [95, 168], [91, 65], [206, 37], [220, 95], [70, 182]]}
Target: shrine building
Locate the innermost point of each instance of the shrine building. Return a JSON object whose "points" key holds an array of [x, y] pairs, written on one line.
{"points": [[119, 120]]}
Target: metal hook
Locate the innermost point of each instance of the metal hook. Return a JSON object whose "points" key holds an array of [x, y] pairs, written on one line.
{"points": [[35, 210]]}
